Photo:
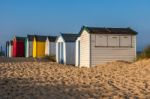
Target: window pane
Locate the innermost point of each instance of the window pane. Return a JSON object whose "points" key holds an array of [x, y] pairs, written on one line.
{"points": [[125, 41], [101, 40], [113, 41]]}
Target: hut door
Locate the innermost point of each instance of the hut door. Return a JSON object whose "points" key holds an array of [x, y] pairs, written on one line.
{"points": [[59, 58], [62, 53]]}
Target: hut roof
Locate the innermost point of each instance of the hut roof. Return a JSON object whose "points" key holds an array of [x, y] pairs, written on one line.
{"points": [[103, 30], [52, 38], [40, 38], [30, 37], [69, 37], [20, 38]]}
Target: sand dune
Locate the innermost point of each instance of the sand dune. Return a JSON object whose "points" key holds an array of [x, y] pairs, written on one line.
{"points": [[48, 80]]}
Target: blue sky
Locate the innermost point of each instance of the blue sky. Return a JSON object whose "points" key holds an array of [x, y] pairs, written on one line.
{"points": [[50, 17]]}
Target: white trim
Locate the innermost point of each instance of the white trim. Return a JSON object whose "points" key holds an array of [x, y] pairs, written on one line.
{"points": [[27, 49], [77, 52], [47, 47]]}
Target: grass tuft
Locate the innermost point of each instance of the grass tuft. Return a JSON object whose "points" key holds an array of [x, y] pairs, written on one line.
{"points": [[51, 58], [145, 54]]}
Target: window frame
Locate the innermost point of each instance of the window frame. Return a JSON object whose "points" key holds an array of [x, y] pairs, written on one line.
{"points": [[119, 42], [130, 42], [101, 46]]}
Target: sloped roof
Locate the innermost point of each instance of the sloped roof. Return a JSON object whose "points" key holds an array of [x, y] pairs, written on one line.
{"points": [[69, 37], [52, 38], [103, 30], [30, 37], [40, 38], [122, 31], [20, 38]]}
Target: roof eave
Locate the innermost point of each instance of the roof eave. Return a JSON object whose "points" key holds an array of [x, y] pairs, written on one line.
{"points": [[82, 29], [117, 33]]}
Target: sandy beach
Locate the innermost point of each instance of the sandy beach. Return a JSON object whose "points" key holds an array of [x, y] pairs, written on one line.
{"points": [[35, 79]]}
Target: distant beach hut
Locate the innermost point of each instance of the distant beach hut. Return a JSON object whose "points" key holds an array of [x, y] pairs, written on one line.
{"points": [[100, 45], [7, 49], [11, 49], [19, 47], [29, 45], [39, 46], [50, 46], [77, 54], [65, 48]]}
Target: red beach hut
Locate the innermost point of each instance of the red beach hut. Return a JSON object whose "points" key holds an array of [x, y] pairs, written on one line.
{"points": [[19, 47]]}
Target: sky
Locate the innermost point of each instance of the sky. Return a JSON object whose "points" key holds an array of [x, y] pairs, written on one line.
{"points": [[50, 17]]}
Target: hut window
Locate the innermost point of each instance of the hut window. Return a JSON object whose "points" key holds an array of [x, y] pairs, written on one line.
{"points": [[113, 41], [101, 40], [126, 41]]}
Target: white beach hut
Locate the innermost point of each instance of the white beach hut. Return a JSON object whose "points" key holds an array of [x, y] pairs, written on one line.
{"points": [[101, 45], [50, 46], [29, 46], [65, 48], [7, 49], [10, 48]]}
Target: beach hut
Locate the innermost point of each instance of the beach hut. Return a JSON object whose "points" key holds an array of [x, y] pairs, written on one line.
{"points": [[19, 47], [39, 46], [10, 48], [7, 49], [65, 48], [29, 45], [50, 46], [100, 45]]}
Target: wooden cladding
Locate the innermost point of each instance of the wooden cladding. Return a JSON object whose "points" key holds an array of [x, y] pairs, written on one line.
{"points": [[113, 40]]}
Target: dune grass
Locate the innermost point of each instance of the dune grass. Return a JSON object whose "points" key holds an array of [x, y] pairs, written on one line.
{"points": [[145, 54]]}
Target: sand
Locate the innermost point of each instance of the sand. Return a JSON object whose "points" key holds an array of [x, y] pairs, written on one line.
{"points": [[49, 80]]}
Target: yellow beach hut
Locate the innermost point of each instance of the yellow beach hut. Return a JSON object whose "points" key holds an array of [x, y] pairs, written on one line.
{"points": [[39, 46]]}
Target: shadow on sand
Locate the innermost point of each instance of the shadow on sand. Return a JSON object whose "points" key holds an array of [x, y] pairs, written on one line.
{"points": [[21, 59], [18, 88], [22, 88]]}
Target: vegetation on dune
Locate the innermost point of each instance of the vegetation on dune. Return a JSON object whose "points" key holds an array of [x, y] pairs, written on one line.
{"points": [[145, 54], [51, 58], [2, 53]]}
